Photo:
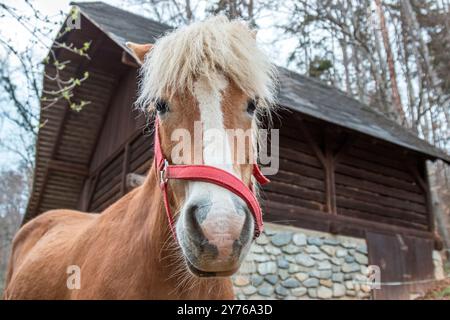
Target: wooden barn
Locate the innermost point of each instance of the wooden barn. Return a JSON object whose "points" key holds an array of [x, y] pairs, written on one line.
{"points": [[344, 168]]}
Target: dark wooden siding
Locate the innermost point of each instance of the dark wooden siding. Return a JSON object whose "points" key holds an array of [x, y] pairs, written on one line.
{"points": [[121, 122], [374, 183], [298, 189], [401, 260]]}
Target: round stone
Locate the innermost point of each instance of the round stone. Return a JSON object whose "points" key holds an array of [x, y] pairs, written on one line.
{"points": [[267, 268], [340, 253], [324, 293], [350, 293], [350, 267], [362, 248], [329, 250], [299, 239], [349, 259], [294, 268], [302, 276], [291, 249], [290, 283], [281, 238], [299, 292], [241, 296], [331, 242], [249, 290], [260, 257], [312, 249], [282, 291], [282, 263], [304, 260], [269, 232], [336, 261], [361, 258], [272, 279], [257, 249], [247, 267], [348, 276], [324, 265], [327, 283], [283, 274], [319, 256], [336, 269], [311, 283], [315, 241], [349, 285], [323, 274], [312, 293], [338, 290], [256, 280], [241, 281], [348, 245], [266, 290], [338, 277], [273, 250], [290, 258]]}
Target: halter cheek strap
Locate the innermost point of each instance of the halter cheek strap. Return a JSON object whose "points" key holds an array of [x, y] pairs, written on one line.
{"points": [[209, 174]]}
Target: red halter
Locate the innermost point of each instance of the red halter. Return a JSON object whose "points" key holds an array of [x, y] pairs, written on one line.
{"points": [[209, 174]]}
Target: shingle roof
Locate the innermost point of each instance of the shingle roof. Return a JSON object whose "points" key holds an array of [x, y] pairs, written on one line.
{"points": [[297, 92]]}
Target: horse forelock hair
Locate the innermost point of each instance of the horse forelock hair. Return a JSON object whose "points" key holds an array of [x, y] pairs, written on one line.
{"points": [[206, 49]]}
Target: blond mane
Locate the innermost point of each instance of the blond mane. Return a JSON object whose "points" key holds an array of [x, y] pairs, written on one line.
{"points": [[204, 49]]}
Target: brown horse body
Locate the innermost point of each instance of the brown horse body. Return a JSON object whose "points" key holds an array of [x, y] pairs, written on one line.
{"points": [[121, 255], [190, 78]]}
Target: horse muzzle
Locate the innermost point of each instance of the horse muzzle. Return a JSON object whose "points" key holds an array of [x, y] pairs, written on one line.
{"points": [[215, 238]]}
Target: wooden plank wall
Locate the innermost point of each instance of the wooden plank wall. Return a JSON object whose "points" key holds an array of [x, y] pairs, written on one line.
{"points": [[338, 181], [373, 183]]}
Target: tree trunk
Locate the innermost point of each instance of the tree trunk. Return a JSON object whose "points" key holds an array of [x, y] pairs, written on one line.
{"points": [[390, 61]]}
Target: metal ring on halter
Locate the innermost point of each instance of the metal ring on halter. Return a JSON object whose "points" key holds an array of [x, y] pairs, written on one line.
{"points": [[162, 173]]}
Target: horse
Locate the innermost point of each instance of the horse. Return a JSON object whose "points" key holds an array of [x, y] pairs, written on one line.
{"points": [[210, 73]]}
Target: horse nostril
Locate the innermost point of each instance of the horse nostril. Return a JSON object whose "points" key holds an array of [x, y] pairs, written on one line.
{"points": [[191, 217]]}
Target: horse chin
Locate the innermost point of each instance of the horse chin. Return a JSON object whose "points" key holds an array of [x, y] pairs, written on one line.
{"points": [[210, 274]]}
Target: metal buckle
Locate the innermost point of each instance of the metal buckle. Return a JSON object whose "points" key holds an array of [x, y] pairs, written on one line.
{"points": [[162, 173]]}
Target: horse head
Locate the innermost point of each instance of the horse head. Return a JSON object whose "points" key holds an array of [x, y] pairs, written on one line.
{"points": [[208, 85]]}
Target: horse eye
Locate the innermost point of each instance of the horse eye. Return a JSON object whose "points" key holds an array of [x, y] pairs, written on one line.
{"points": [[161, 106], [251, 106]]}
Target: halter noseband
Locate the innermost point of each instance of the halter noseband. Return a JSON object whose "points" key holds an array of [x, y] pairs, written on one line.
{"points": [[209, 174]]}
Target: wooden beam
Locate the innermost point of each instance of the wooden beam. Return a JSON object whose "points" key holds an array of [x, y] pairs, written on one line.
{"points": [[425, 186], [330, 179], [92, 187], [68, 167], [311, 142]]}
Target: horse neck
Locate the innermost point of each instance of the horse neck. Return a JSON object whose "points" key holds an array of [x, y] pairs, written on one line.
{"points": [[164, 267]]}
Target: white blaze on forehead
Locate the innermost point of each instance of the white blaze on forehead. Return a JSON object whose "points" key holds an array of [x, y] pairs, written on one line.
{"points": [[223, 219], [216, 147]]}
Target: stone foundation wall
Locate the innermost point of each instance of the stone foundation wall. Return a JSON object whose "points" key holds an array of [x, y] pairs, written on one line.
{"points": [[293, 263]]}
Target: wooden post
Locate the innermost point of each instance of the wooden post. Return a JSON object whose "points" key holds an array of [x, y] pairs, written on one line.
{"points": [[330, 176], [425, 186]]}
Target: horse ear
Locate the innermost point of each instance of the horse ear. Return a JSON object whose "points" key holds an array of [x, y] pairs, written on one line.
{"points": [[139, 50], [254, 32]]}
